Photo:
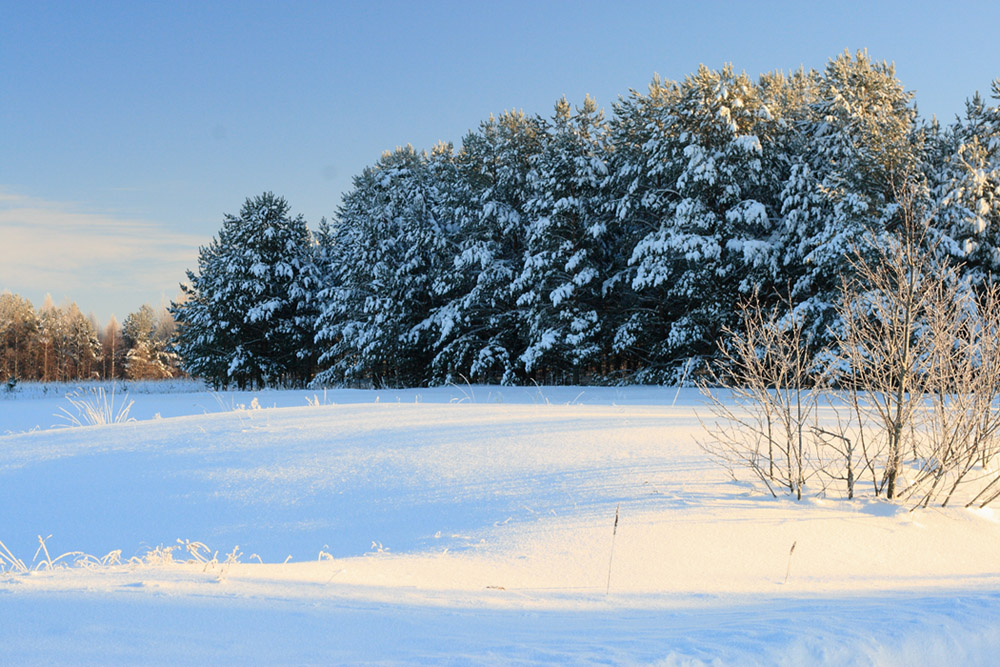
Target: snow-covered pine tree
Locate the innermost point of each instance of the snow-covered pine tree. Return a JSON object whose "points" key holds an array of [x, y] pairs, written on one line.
{"points": [[389, 252], [789, 100], [640, 194], [455, 203], [482, 332], [246, 319], [565, 258], [860, 149], [970, 189], [716, 244]]}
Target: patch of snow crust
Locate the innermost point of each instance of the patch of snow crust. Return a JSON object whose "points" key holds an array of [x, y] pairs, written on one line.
{"points": [[458, 524]]}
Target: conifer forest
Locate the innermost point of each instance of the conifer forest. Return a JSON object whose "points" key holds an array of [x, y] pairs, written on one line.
{"points": [[592, 246]]}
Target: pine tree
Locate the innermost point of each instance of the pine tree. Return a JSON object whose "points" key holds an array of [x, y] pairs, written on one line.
{"points": [[453, 207], [81, 348], [641, 195], [714, 242], [565, 264], [390, 250], [246, 319], [482, 331], [861, 149], [970, 189]]}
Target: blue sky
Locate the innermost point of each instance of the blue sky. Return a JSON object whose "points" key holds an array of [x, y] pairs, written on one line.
{"points": [[127, 129]]}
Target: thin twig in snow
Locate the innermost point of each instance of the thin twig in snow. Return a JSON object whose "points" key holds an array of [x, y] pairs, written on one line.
{"points": [[788, 570], [614, 533]]}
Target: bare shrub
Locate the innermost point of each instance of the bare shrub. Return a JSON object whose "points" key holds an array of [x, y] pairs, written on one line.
{"points": [[887, 348], [923, 365], [917, 373], [764, 419], [962, 422]]}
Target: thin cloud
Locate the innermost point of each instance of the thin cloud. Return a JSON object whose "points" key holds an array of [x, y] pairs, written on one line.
{"points": [[56, 247]]}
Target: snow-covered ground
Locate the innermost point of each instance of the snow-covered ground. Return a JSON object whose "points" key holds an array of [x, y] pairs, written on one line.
{"points": [[453, 525]]}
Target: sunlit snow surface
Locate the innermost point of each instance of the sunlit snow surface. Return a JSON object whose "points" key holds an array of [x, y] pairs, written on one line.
{"points": [[460, 524]]}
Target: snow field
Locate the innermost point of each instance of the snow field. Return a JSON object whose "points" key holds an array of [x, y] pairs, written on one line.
{"points": [[448, 530]]}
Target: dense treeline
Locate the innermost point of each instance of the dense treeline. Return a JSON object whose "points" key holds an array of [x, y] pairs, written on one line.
{"points": [[59, 344], [581, 248]]}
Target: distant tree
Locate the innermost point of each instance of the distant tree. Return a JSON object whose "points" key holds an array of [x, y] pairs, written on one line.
{"points": [[147, 357], [18, 337], [248, 317], [67, 347], [113, 350], [48, 339], [165, 327], [81, 349]]}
